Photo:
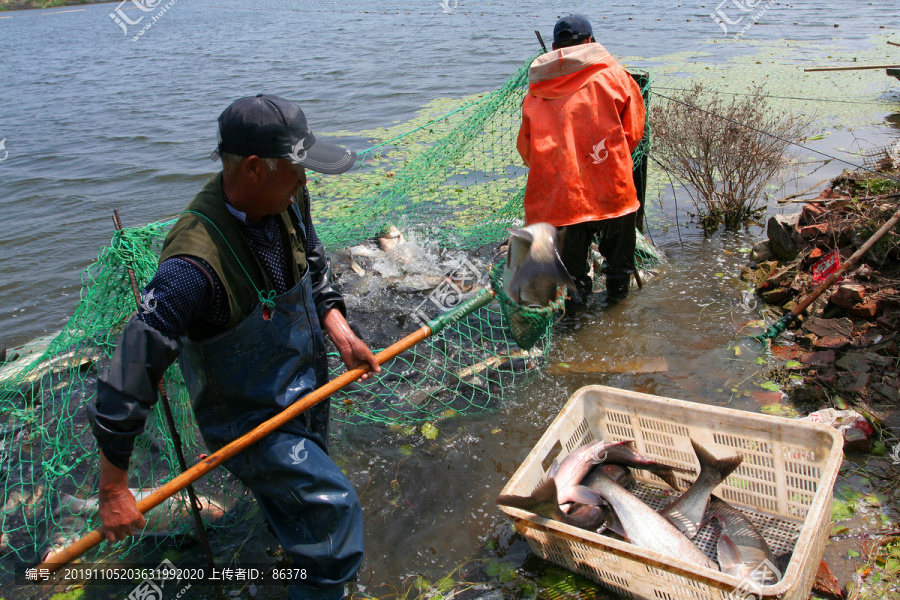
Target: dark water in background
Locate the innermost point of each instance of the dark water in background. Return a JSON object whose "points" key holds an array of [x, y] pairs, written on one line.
{"points": [[94, 121]]}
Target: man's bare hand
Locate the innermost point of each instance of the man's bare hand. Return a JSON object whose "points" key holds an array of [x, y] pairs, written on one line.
{"points": [[118, 508], [353, 350]]}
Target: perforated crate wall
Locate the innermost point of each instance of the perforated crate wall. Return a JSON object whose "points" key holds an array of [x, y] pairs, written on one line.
{"points": [[784, 486]]}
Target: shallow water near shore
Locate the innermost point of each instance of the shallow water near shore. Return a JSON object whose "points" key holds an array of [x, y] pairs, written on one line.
{"points": [[94, 121]]}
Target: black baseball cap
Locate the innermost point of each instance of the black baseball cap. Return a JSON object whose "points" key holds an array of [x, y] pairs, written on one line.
{"points": [[272, 127], [571, 29]]}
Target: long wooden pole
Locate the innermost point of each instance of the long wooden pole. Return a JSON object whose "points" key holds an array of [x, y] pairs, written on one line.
{"points": [[57, 559], [859, 68]]}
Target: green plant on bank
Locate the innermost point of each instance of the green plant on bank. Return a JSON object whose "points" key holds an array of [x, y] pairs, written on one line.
{"points": [[879, 575], [877, 187], [726, 148]]}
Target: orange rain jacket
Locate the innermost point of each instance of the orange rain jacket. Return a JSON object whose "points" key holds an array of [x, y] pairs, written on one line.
{"points": [[581, 120]]}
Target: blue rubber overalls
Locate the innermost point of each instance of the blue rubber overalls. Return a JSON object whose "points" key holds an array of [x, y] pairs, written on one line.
{"points": [[244, 376]]}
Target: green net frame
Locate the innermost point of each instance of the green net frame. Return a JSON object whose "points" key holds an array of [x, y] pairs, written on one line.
{"points": [[456, 179]]}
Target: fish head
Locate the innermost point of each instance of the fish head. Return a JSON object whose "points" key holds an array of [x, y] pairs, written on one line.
{"points": [[534, 267]]}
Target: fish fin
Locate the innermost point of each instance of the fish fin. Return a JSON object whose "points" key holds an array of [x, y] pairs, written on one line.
{"points": [[615, 525], [562, 273], [723, 467], [522, 233], [554, 469], [668, 475], [729, 556], [688, 527], [585, 495], [544, 493]]}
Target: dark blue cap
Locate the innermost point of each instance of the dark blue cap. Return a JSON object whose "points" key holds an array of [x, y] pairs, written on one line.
{"points": [[271, 127], [571, 30]]}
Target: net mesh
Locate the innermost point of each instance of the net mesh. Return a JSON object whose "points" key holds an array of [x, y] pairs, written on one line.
{"points": [[456, 180]]}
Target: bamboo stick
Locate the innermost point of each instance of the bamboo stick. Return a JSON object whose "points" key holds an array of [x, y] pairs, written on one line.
{"points": [[859, 68]]}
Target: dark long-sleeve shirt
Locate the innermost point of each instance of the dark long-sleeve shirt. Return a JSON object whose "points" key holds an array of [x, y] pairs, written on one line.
{"points": [[184, 290]]}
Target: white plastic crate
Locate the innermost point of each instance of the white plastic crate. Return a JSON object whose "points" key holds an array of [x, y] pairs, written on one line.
{"points": [[784, 486]]}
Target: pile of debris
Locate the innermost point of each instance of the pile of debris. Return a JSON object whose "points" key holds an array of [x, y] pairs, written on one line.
{"points": [[847, 340]]}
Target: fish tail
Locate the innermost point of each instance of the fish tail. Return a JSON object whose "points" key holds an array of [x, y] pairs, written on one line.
{"points": [[722, 468], [541, 502]]}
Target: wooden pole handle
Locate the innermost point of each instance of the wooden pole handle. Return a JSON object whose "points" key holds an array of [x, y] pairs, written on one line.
{"points": [[55, 560]]}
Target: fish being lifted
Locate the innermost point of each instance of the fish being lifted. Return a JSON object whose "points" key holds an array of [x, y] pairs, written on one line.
{"points": [[534, 269]]}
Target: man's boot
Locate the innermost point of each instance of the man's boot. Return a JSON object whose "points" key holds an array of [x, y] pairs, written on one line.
{"points": [[617, 289]]}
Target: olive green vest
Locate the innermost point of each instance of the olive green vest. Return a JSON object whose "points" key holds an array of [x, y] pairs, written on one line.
{"points": [[226, 250]]}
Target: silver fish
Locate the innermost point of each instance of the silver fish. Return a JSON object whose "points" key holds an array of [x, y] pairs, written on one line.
{"points": [[623, 454], [534, 269], [743, 551], [543, 502], [687, 512], [575, 466], [646, 528]]}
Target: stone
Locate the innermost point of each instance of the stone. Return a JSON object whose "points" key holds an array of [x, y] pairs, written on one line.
{"points": [[812, 394], [889, 321], [779, 230], [776, 296], [814, 256], [829, 327], [864, 310], [782, 277], [887, 392], [808, 232], [852, 383], [831, 342], [811, 214], [848, 294], [818, 358], [762, 251], [856, 442], [854, 361]]}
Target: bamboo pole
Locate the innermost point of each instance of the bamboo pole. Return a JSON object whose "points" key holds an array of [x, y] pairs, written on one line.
{"points": [[859, 68], [55, 560]]}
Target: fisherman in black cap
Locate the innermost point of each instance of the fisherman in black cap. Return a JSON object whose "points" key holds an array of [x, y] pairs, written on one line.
{"points": [[243, 294], [581, 120]]}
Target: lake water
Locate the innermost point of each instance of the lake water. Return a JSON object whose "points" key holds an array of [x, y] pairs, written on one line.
{"points": [[93, 121]]}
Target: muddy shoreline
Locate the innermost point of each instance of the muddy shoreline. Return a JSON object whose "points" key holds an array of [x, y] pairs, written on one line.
{"points": [[842, 354]]}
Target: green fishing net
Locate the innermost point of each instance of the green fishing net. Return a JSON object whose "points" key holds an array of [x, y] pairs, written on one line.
{"points": [[456, 180]]}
